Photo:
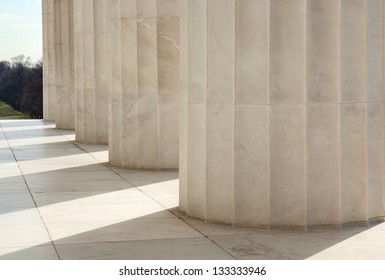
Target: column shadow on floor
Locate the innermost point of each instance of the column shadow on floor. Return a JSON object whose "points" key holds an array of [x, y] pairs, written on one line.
{"points": [[75, 183], [153, 237]]}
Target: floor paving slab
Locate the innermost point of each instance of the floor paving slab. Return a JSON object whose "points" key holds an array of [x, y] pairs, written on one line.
{"points": [[68, 176], [44, 252], [12, 186], [280, 245], [23, 235], [103, 212], [173, 249], [366, 245], [144, 178], [168, 203], [135, 229], [87, 197], [20, 216], [16, 199], [12, 179]]}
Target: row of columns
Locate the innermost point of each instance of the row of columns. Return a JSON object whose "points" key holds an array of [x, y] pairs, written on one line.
{"points": [[273, 110], [112, 74]]}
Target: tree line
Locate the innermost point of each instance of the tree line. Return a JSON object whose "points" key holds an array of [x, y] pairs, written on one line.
{"points": [[21, 85]]}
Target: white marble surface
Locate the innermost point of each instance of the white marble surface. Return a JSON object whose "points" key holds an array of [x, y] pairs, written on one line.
{"points": [[282, 112], [91, 71], [49, 88], [64, 65], [144, 84], [130, 214], [287, 52], [272, 110], [324, 157]]}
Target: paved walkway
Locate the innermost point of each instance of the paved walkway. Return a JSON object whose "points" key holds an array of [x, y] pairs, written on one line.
{"points": [[61, 200]]}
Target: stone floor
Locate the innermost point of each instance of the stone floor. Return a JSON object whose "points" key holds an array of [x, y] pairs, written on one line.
{"points": [[61, 200]]}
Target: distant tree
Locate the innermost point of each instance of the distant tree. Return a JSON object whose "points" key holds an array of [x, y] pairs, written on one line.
{"points": [[21, 85], [13, 82], [32, 99], [9, 89], [4, 65], [22, 60]]}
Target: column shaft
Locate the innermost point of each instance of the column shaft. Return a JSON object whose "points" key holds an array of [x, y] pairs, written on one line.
{"points": [[251, 87], [91, 68], [144, 84], [287, 113], [64, 65], [49, 85], [282, 112], [375, 109], [354, 187], [323, 112]]}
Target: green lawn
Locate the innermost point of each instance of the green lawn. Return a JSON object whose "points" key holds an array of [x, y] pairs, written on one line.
{"points": [[7, 112]]}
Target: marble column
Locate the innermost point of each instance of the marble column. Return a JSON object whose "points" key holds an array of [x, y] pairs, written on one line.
{"points": [[91, 70], [323, 95], [282, 113], [144, 84], [49, 85], [64, 65]]}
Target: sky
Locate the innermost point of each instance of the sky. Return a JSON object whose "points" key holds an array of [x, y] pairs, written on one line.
{"points": [[20, 29]]}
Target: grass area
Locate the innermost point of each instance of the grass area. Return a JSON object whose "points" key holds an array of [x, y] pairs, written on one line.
{"points": [[8, 113]]}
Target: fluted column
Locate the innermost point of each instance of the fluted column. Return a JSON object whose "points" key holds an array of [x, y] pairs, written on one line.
{"points": [[323, 79], [282, 115], [224, 137], [64, 65], [49, 85], [144, 84], [287, 97], [375, 111], [91, 70]]}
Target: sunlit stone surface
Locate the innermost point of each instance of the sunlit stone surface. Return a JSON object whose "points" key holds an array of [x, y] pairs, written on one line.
{"points": [[58, 41], [49, 100], [144, 84], [64, 68], [282, 109], [91, 70], [280, 121]]}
